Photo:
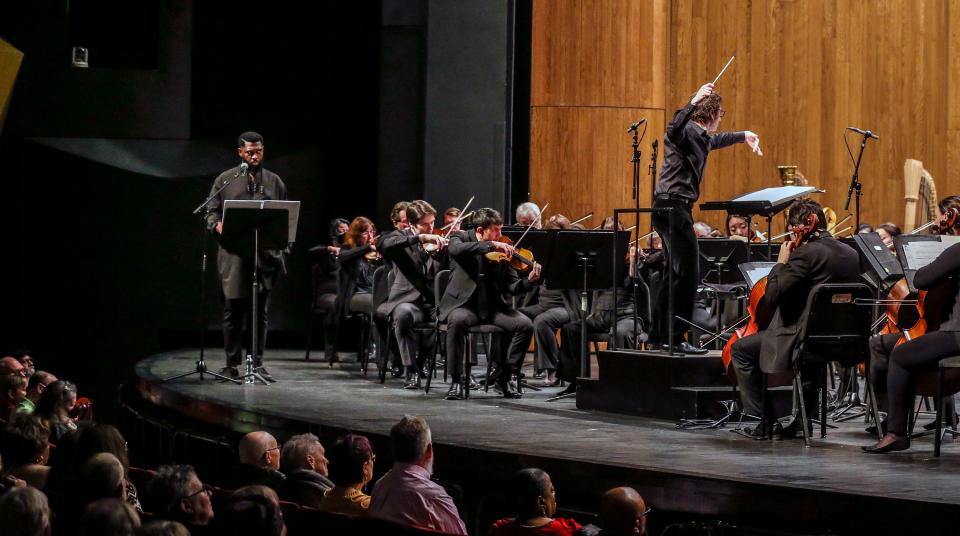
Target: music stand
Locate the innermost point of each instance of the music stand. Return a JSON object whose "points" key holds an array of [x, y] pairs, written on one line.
{"points": [[719, 258], [251, 225], [581, 260]]}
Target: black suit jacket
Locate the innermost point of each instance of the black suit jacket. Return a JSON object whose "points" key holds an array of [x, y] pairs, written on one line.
{"points": [[413, 270], [822, 260], [304, 487], [467, 262]]}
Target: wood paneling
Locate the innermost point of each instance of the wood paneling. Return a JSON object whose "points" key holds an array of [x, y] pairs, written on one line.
{"points": [[804, 71], [584, 160], [599, 53]]}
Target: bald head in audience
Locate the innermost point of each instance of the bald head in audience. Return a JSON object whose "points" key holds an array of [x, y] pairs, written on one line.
{"points": [[10, 365], [623, 512], [260, 449]]}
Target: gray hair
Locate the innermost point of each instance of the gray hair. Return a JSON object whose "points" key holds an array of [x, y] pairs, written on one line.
{"points": [[528, 209], [25, 511], [702, 227], [169, 485], [409, 439], [294, 453]]}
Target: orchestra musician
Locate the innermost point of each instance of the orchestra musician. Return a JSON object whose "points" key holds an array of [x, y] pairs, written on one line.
{"points": [[550, 311], [236, 267], [476, 294], [812, 259], [449, 216], [528, 213], [887, 232], [893, 366], [411, 299], [358, 260], [738, 228], [688, 140], [398, 218]]}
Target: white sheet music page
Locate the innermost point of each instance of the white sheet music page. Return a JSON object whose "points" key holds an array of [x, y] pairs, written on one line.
{"points": [[776, 194], [921, 253]]}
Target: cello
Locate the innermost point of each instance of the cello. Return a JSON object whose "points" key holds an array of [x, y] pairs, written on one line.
{"points": [[758, 309]]}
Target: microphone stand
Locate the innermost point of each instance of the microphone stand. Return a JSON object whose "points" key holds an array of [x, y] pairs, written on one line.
{"points": [[634, 278], [201, 366], [856, 186]]}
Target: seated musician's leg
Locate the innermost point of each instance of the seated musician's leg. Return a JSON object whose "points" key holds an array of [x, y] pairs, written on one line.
{"points": [[458, 322], [746, 365], [545, 327], [404, 318], [520, 330]]}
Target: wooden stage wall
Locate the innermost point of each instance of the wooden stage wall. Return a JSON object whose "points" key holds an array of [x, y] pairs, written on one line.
{"points": [[804, 71]]}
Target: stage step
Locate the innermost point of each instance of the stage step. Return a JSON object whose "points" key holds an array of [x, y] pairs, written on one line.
{"points": [[655, 384]]}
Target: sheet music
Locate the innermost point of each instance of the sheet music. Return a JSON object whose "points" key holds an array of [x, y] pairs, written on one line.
{"points": [[777, 194], [921, 253], [755, 271]]}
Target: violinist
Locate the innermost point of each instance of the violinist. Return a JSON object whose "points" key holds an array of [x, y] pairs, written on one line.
{"points": [[813, 257], [528, 213], [738, 228], [551, 310], [922, 352], [887, 232], [358, 260], [703, 230], [398, 217], [411, 299], [476, 294], [689, 138]]}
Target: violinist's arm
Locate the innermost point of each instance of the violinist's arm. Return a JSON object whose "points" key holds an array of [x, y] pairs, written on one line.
{"points": [[786, 276], [349, 255], [462, 249], [395, 242], [947, 264]]}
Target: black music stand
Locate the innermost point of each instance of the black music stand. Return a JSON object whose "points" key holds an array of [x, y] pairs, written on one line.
{"points": [[255, 226], [719, 259], [582, 260]]}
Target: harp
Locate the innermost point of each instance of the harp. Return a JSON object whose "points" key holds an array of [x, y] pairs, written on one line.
{"points": [[920, 193]]}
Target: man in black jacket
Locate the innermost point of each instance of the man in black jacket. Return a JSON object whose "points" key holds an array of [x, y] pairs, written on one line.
{"points": [[819, 259], [251, 182], [689, 138], [304, 462], [411, 299], [476, 295]]}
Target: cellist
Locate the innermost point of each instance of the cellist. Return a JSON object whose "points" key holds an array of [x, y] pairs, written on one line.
{"points": [[883, 344], [811, 258], [924, 351]]}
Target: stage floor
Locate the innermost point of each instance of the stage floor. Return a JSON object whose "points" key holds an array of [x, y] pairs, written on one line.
{"points": [[716, 464]]}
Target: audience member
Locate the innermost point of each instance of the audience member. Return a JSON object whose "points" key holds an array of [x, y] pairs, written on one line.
{"points": [[13, 391], [35, 386], [24, 511], [109, 517], [623, 513], [178, 495], [259, 461], [10, 365], [351, 468], [63, 466], [303, 462], [98, 438], [100, 477], [8, 481], [54, 406], [162, 527], [26, 361], [26, 443], [536, 504], [252, 511], [406, 495]]}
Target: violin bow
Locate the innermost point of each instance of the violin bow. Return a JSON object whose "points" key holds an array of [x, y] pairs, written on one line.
{"points": [[534, 222]]}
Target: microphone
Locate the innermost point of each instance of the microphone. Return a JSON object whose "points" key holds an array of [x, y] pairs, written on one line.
{"points": [[243, 169], [866, 133], [633, 127]]}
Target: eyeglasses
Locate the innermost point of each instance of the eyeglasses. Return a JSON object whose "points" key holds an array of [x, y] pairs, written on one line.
{"points": [[645, 512], [204, 488], [271, 449]]}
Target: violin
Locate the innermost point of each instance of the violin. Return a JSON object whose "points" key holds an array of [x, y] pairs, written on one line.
{"points": [[521, 260], [82, 410]]}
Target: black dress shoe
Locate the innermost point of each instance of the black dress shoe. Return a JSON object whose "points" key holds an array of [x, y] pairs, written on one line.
{"points": [[412, 382], [793, 430], [455, 392], [230, 371], [757, 432], [900, 443], [507, 391], [474, 384], [689, 349], [262, 371], [396, 372], [539, 374]]}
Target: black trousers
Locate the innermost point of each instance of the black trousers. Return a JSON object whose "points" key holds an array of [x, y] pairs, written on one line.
{"points": [[514, 323], [236, 315], [922, 353], [881, 346], [681, 247], [745, 355], [415, 346], [570, 337], [546, 322]]}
